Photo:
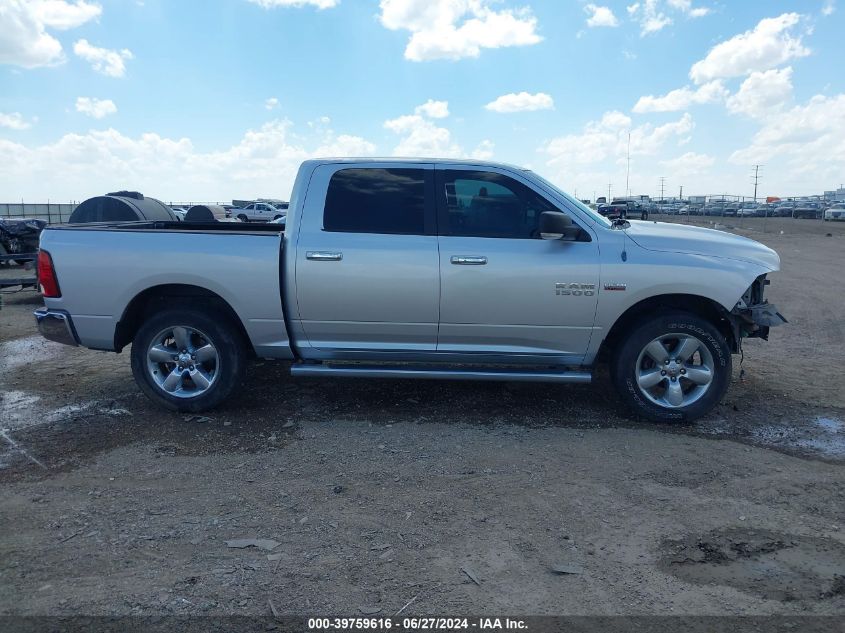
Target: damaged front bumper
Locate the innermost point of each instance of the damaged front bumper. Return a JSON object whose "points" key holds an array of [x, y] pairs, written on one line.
{"points": [[753, 316]]}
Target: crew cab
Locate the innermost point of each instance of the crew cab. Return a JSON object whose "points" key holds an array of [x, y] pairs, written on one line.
{"points": [[423, 268]]}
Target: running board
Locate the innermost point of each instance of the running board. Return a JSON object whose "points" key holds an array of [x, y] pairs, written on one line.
{"points": [[388, 371]]}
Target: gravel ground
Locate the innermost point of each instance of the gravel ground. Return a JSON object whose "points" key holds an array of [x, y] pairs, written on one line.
{"points": [[459, 497]]}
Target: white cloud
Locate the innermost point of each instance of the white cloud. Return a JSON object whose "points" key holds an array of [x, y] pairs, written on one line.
{"points": [[689, 164], [103, 60], [770, 44], [682, 98], [653, 17], [454, 29], [649, 15], [345, 145], [685, 6], [271, 103], [804, 142], [829, 8], [62, 15], [77, 166], [763, 93], [272, 4], [521, 102], [433, 109], [484, 151], [600, 16], [95, 108], [24, 40], [607, 139], [592, 158], [421, 137], [14, 121]]}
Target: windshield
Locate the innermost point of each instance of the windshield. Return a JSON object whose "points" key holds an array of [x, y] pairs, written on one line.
{"points": [[597, 217]]}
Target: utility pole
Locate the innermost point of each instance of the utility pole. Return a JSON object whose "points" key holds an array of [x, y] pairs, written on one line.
{"points": [[681, 194], [662, 188], [609, 187], [756, 179]]}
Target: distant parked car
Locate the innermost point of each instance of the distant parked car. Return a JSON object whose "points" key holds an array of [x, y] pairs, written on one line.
{"points": [[836, 213], [808, 211], [180, 212], [258, 212]]}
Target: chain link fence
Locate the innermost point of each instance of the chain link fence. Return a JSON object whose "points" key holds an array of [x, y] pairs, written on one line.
{"points": [[51, 212]]}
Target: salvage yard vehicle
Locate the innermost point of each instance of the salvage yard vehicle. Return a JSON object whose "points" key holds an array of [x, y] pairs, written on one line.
{"points": [[835, 213], [401, 268], [19, 236], [807, 211], [258, 212]]}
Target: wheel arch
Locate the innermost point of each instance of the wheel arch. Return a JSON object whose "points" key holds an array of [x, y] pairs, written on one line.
{"points": [[162, 296], [701, 306]]}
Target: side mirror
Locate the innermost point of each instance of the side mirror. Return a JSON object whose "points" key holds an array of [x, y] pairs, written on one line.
{"points": [[558, 226]]}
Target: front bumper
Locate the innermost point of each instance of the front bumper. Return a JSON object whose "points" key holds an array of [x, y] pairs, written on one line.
{"points": [[56, 325]]}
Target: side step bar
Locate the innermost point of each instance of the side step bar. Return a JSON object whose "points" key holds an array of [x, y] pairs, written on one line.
{"points": [[392, 371]]}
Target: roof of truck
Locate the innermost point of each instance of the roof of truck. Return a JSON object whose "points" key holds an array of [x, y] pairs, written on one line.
{"points": [[394, 159]]}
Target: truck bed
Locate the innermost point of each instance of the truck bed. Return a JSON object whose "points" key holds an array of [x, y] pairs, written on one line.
{"points": [[101, 268]]}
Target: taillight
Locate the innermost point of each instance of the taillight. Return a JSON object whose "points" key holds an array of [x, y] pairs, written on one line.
{"points": [[47, 276]]}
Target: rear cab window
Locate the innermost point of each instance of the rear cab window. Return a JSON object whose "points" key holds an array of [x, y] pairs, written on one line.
{"points": [[380, 200]]}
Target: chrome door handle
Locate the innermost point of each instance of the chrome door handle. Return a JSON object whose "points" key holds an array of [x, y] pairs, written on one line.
{"points": [[475, 260], [323, 256]]}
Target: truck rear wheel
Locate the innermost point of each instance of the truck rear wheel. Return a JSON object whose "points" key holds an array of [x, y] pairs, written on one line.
{"points": [[674, 367], [188, 360]]}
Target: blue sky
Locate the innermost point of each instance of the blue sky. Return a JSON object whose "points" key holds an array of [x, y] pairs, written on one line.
{"points": [[189, 100]]}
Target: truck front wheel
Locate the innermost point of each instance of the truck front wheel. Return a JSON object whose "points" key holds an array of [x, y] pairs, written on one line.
{"points": [[674, 367], [188, 360]]}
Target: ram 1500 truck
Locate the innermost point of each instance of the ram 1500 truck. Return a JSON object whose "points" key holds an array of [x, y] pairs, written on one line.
{"points": [[415, 269]]}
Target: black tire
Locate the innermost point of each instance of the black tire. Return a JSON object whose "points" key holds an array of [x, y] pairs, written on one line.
{"points": [[243, 218], [217, 327], [623, 366]]}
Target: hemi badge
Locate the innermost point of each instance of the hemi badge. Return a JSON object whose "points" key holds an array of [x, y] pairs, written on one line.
{"points": [[616, 286]]}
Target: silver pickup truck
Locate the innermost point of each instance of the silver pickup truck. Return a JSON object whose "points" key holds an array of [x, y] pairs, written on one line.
{"points": [[415, 269]]}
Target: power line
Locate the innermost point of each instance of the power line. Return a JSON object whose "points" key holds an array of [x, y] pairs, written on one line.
{"points": [[662, 188]]}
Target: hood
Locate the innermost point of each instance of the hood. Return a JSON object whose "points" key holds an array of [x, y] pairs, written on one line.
{"points": [[680, 238]]}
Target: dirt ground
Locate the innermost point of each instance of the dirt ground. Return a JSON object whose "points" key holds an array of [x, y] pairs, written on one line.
{"points": [[455, 497]]}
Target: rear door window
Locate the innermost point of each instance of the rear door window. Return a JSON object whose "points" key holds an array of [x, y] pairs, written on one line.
{"points": [[374, 200]]}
